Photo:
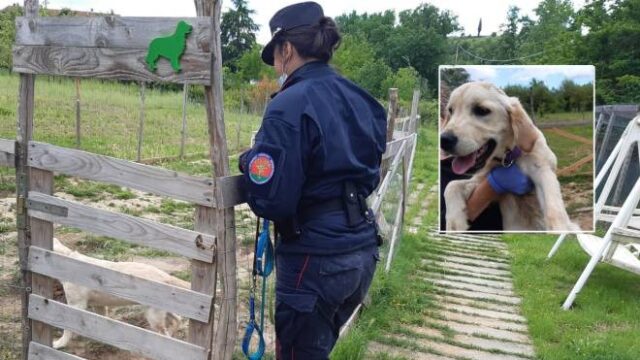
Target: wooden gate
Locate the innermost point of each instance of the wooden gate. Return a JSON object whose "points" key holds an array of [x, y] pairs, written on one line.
{"points": [[114, 47]]}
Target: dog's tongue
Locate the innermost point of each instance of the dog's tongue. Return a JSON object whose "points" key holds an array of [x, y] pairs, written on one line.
{"points": [[462, 164]]}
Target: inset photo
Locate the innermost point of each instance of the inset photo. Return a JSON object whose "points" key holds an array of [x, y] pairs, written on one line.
{"points": [[516, 148]]}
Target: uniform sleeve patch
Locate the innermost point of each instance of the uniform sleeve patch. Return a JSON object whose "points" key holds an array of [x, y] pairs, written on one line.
{"points": [[261, 168]]}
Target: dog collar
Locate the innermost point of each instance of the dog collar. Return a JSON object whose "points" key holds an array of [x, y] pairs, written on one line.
{"points": [[510, 156]]}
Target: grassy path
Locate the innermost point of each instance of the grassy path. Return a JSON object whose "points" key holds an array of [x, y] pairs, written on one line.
{"points": [[474, 313]]}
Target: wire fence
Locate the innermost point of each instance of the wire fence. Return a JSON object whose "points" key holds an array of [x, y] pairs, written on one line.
{"points": [[611, 123], [128, 120]]}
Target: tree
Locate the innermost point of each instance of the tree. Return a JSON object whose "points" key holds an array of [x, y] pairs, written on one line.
{"points": [[610, 43], [251, 67], [454, 77], [553, 36], [420, 41], [237, 33], [508, 43]]}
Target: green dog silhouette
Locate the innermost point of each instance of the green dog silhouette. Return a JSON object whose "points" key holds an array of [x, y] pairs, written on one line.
{"points": [[169, 47]]}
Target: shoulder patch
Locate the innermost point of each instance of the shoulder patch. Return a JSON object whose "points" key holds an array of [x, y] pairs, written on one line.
{"points": [[261, 168]]}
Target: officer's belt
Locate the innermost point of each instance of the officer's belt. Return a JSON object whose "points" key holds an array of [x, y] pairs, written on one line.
{"points": [[319, 209]]}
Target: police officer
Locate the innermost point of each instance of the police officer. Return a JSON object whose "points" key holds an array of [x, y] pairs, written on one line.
{"points": [[315, 160]]}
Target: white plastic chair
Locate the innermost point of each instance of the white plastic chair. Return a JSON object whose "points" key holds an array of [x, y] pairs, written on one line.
{"points": [[609, 248]]}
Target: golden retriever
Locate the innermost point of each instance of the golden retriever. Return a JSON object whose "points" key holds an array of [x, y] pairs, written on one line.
{"points": [[482, 126], [81, 297]]}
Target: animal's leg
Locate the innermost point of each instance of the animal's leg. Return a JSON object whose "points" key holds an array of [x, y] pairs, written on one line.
{"points": [[76, 300], [551, 203], [455, 197], [173, 323], [156, 319]]}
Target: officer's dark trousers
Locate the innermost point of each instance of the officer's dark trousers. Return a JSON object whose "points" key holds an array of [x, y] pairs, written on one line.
{"points": [[315, 295]]}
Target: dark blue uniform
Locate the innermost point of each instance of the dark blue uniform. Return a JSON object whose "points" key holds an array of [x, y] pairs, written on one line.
{"points": [[319, 132]]}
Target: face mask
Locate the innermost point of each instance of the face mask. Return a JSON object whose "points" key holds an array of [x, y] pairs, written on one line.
{"points": [[282, 79]]}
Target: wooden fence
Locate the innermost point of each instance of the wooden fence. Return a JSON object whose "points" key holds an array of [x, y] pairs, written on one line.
{"points": [[114, 48], [397, 162]]}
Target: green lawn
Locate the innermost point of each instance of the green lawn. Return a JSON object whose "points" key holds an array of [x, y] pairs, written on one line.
{"points": [[604, 323], [110, 116], [565, 116], [568, 151]]}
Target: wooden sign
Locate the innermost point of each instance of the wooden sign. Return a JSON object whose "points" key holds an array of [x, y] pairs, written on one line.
{"points": [[113, 47]]}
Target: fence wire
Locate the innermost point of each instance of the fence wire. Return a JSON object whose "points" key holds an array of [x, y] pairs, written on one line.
{"points": [[611, 125]]}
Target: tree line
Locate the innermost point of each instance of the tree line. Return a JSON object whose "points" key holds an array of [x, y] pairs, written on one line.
{"points": [[404, 49]]}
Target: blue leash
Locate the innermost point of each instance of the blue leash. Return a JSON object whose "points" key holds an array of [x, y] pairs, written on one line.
{"points": [[262, 266]]}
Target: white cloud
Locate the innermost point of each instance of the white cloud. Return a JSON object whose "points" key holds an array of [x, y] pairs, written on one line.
{"points": [[482, 73]]}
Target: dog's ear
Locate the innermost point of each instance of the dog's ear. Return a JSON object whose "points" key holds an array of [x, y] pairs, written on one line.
{"points": [[524, 130]]}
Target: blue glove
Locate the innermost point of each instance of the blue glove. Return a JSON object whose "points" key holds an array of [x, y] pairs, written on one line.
{"points": [[509, 179]]}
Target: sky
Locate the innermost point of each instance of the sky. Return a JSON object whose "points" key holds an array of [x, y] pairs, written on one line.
{"points": [[492, 12], [551, 75]]}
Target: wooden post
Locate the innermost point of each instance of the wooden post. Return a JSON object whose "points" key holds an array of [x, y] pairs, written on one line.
{"points": [[392, 114], [415, 105], [30, 231], [78, 113], [183, 132], [141, 127], [218, 221]]}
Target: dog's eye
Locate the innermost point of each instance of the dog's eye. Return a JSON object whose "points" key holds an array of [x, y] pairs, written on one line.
{"points": [[480, 110], [451, 110]]}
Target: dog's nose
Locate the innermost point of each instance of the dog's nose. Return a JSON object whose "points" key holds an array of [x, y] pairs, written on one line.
{"points": [[448, 141]]}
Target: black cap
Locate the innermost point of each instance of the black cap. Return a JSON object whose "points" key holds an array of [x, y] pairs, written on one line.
{"points": [[293, 16]]}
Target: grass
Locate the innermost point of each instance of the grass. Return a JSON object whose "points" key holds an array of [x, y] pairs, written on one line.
{"points": [[565, 116], [604, 323], [110, 113], [396, 297], [569, 151]]}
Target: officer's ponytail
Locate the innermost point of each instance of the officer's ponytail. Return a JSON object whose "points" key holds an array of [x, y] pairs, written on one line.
{"points": [[318, 41]]}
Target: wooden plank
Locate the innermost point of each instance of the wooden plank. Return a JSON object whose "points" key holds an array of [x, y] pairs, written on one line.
{"points": [[159, 295], [8, 146], [571, 136], [112, 332], [121, 172], [232, 188], [108, 63], [575, 166], [41, 236], [110, 31], [192, 244], [41, 352], [7, 152]]}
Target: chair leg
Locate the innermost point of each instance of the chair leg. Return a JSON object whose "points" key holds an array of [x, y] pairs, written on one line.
{"points": [[555, 247], [586, 273]]}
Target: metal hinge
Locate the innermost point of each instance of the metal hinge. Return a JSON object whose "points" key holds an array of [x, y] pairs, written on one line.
{"points": [[20, 208]]}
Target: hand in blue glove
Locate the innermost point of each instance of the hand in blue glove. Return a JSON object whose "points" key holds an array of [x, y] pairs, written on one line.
{"points": [[509, 179]]}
